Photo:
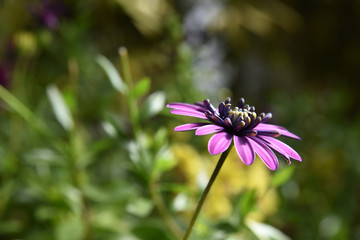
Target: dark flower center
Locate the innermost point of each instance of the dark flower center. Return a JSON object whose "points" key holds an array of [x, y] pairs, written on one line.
{"points": [[239, 120]]}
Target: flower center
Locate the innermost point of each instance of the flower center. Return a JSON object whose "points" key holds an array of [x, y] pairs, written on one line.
{"points": [[239, 120]]}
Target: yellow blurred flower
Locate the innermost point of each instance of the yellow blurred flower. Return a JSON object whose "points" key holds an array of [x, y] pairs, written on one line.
{"points": [[234, 178], [190, 163], [26, 42]]}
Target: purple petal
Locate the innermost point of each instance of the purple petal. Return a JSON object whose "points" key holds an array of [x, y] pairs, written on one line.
{"points": [[219, 143], [277, 149], [264, 152], [272, 133], [186, 106], [208, 129], [189, 126], [244, 150], [281, 147], [270, 127], [288, 134], [189, 113]]}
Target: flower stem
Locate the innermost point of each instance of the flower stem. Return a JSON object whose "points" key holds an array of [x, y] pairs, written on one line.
{"points": [[131, 101], [160, 205], [205, 193]]}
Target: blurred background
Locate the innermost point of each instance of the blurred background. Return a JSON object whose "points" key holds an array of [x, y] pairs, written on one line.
{"points": [[87, 146]]}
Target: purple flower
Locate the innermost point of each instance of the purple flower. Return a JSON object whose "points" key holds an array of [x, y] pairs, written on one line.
{"points": [[250, 132], [49, 12]]}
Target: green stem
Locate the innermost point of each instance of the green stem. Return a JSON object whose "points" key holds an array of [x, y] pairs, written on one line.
{"points": [[160, 205], [131, 102], [78, 176], [206, 191]]}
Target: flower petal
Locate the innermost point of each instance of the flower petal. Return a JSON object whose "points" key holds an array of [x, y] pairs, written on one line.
{"points": [[208, 129], [189, 126], [186, 106], [189, 113], [264, 152], [288, 134], [272, 133], [281, 147], [219, 143], [244, 150], [270, 127]]}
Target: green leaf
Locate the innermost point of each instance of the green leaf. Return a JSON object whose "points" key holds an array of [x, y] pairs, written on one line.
{"points": [[153, 105], [140, 207], [265, 232], [160, 137], [114, 76], [44, 156], [70, 98], [247, 203], [61, 110], [16, 105], [163, 162], [282, 176], [180, 202], [141, 88], [72, 196], [69, 228], [108, 219]]}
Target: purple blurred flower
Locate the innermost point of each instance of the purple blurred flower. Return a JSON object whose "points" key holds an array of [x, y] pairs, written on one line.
{"points": [[250, 132], [7, 62], [4, 76], [49, 12]]}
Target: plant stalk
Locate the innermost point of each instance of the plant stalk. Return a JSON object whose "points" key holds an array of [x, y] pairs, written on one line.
{"points": [[205, 193], [160, 205], [131, 101]]}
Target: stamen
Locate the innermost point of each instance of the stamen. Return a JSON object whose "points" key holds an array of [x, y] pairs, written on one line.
{"points": [[253, 115], [267, 117], [206, 102], [228, 122], [208, 114], [228, 100], [236, 118], [255, 122], [209, 106], [269, 133], [239, 126], [227, 109], [251, 133], [217, 119], [247, 121], [222, 109], [241, 103], [231, 113], [241, 119]]}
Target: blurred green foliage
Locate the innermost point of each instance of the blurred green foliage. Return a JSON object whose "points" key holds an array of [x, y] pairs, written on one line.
{"points": [[87, 148]]}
